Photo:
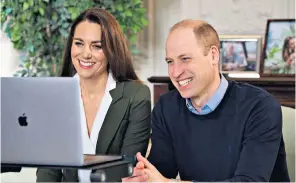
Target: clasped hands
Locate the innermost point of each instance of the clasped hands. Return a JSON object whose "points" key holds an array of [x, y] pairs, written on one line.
{"points": [[144, 171]]}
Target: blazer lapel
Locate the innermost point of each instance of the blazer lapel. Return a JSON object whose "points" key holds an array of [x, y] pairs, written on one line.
{"points": [[113, 119]]}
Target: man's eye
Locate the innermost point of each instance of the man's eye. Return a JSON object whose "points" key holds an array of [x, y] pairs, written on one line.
{"points": [[185, 58], [169, 61]]}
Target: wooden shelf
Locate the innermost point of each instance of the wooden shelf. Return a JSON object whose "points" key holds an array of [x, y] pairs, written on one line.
{"points": [[283, 88]]}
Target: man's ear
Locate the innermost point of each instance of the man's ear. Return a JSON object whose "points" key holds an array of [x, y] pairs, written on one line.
{"points": [[215, 55]]}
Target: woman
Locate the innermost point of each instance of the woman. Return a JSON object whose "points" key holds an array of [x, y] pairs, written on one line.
{"points": [[116, 105], [288, 54]]}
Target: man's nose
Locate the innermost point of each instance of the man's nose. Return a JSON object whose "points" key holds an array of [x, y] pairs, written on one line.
{"points": [[177, 70]]}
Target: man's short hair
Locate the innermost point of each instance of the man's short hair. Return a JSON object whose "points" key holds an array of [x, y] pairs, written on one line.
{"points": [[204, 33]]}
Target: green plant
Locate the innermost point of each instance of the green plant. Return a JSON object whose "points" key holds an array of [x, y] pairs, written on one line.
{"points": [[38, 28]]}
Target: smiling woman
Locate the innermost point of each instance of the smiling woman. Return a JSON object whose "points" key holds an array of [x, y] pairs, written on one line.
{"points": [[86, 52], [105, 30], [115, 106]]}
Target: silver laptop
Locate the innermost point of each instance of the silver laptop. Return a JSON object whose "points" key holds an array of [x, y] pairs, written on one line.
{"points": [[40, 123]]}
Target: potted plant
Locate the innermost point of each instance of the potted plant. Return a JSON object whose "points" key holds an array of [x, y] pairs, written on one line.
{"points": [[38, 28]]}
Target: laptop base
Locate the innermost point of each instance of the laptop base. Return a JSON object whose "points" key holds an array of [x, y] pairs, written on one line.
{"points": [[110, 171]]}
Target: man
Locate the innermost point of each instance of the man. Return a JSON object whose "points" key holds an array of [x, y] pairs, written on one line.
{"points": [[211, 129], [232, 60]]}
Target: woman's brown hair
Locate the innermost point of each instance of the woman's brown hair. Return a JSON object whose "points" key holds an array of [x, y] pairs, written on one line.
{"points": [[286, 51], [114, 45]]}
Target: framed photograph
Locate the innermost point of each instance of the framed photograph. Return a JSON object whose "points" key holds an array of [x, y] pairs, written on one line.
{"points": [[278, 58], [240, 54]]}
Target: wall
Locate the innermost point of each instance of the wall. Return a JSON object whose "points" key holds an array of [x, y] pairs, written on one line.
{"points": [[227, 16], [239, 16], [8, 56]]}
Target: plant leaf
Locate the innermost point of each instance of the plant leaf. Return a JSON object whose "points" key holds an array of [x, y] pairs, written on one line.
{"points": [[25, 6], [119, 7], [41, 11], [128, 13], [8, 11]]}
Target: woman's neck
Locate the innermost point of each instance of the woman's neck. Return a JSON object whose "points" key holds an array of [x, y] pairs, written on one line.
{"points": [[91, 87]]}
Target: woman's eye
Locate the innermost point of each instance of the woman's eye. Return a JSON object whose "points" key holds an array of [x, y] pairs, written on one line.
{"points": [[97, 47], [78, 44]]}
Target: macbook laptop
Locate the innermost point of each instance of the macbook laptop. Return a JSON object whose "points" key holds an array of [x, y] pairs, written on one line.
{"points": [[40, 123]]}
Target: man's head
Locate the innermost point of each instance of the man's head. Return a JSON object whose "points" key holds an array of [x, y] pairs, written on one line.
{"points": [[230, 49], [192, 54]]}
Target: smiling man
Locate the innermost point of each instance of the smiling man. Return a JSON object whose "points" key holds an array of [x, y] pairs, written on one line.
{"points": [[211, 129]]}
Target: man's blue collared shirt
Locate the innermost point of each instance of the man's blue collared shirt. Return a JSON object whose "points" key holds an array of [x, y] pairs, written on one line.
{"points": [[214, 100]]}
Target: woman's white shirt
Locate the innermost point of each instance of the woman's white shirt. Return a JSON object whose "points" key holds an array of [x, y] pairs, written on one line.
{"points": [[89, 143]]}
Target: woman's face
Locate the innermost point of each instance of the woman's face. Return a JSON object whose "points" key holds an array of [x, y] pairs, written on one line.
{"points": [[87, 54], [292, 44]]}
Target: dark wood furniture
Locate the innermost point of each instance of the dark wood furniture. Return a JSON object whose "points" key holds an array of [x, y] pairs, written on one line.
{"points": [[283, 88]]}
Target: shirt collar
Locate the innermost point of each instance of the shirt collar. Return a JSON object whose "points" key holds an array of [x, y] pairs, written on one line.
{"points": [[111, 83], [213, 102], [219, 94]]}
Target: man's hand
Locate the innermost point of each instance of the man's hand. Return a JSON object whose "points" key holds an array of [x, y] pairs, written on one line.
{"points": [[145, 172], [138, 174]]}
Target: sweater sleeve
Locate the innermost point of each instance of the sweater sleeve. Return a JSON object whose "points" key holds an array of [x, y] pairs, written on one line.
{"points": [[261, 142], [162, 151]]}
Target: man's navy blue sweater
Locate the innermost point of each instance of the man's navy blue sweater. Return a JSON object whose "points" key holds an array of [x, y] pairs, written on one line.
{"points": [[241, 140]]}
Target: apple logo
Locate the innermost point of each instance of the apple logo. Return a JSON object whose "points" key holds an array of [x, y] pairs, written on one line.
{"points": [[23, 120]]}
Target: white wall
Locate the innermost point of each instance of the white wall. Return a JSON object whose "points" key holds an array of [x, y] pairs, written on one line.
{"points": [[167, 13], [238, 16], [9, 57]]}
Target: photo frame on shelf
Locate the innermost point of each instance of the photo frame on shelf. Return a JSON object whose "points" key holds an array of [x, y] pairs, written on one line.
{"points": [[240, 54], [278, 55]]}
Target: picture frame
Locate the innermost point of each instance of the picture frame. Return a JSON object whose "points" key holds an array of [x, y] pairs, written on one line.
{"points": [[278, 55], [240, 54]]}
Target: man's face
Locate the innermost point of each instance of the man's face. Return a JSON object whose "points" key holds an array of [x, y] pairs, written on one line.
{"points": [[189, 69], [231, 49]]}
